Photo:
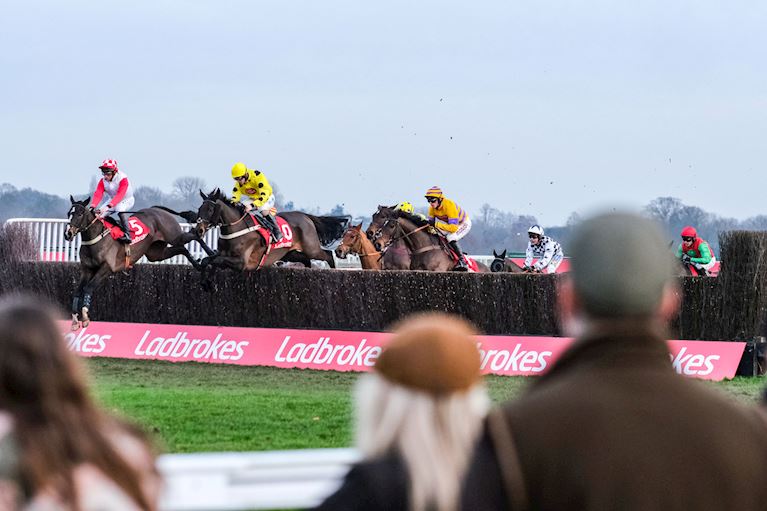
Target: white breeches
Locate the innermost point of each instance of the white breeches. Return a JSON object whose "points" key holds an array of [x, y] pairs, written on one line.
{"points": [[123, 205], [463, 230], [266, 209]]}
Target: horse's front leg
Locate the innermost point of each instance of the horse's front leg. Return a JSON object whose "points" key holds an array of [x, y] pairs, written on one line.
{"points": [[103, 272], [192, 235], [85, 276]]}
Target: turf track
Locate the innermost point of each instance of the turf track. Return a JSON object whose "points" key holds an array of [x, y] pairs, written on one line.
{"points": [[196, 407]]}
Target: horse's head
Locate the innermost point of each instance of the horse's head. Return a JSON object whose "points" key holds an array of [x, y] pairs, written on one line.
{"points": [[350, 242], [379, 217], [80, 216], [387, 233], [209, 213], [499, 263]]}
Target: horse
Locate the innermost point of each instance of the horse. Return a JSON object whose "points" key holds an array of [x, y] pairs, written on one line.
{"points": [[396, 256], [353, 242], [503, 264], [427, 250], [242, 246], [156, 235]]}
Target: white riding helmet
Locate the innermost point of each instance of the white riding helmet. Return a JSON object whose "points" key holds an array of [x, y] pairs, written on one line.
{"points": [[536, 229]]}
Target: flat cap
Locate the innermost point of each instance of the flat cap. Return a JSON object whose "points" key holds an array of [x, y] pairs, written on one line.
{"points": [[431, 352], [620, 265]]}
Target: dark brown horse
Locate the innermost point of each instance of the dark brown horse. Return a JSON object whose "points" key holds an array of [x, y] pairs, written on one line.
{"points": [[242, 247], [427, 251], [396, 256], [502, 263], [158, 236], [355, 242]]}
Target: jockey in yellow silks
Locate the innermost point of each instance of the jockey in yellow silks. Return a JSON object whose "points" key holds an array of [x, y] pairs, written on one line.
{"points": [[450, 220], [254, 191]]}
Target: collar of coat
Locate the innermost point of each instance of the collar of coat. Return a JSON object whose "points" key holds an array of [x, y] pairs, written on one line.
{"points": [[615, 344]]}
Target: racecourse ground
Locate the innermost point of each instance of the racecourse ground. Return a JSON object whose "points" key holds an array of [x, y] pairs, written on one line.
{"points": [[195, 407]]}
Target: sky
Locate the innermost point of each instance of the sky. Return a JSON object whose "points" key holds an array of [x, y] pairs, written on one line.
{"points": [[541, 108]]}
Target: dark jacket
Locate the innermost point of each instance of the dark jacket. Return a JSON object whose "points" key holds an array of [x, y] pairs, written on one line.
{"points": [[612, 426], [380, 483]]}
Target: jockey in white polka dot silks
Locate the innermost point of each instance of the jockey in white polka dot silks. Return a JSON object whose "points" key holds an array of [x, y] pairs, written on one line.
{"points": [[546, 250], [450, 221], [254, 191], [116, 191]]}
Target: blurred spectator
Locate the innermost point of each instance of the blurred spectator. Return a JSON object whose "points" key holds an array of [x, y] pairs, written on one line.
{"points": [[57, 449], [418, 416], [612, 425]]}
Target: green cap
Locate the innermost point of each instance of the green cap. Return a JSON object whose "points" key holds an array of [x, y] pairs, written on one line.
{"points": [[620, 265]]}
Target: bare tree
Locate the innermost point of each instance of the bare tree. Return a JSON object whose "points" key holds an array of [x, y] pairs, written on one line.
{"points": [[186, 190]]}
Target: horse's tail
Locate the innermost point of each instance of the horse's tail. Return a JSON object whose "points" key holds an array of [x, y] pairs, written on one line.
{"points": [[330, 228], [189, 216]]}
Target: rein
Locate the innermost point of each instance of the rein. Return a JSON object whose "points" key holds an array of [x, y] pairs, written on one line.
{"points": [[405, 235], [92, 241]]}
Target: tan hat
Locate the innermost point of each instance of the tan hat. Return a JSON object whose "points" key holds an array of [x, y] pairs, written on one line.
{"points": [[432, 352]]}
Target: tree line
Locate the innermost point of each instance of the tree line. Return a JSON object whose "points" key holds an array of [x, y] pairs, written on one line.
{"points": [[492, 228]]}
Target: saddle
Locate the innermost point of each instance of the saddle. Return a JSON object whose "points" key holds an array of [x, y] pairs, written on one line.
{"points": [[287, 233], [138, 229], [472, 264]]}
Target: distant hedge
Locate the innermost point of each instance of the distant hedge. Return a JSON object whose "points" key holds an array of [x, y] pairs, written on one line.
{"points": [[731, 307]]}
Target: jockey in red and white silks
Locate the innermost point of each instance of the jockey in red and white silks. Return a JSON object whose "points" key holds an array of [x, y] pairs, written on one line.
{"points": [[117, 191]]}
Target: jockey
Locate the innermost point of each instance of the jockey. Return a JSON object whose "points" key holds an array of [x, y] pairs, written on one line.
{"points": [[548, 252], [119, 194], [408, 208], [254, 191], [450, 220], [696, 252]]}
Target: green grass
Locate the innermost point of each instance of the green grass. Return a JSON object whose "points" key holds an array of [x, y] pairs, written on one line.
{"points": [[195, 407]]}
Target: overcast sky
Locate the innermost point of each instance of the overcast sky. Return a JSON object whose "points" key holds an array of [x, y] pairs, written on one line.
{"points": [[537, 107]]}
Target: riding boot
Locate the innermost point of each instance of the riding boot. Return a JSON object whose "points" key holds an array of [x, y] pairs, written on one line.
{"points": [[123, 223], [461, 265], [271, 223]]}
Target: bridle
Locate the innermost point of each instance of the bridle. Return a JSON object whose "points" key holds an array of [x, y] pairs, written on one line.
{"points": [[357, 240], [77, 229], [404, 236]]}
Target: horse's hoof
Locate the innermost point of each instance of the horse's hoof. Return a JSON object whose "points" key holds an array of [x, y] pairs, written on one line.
{"points": [[86, 322], [75, 326]]}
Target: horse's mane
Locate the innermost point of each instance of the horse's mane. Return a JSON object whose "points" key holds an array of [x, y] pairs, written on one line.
{"points": [[417, 220]]}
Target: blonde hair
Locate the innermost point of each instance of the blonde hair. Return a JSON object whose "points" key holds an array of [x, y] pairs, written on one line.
{"points": [[434, 435]]}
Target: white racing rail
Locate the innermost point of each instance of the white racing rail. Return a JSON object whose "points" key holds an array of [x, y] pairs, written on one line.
{"points": [[252, 480]]}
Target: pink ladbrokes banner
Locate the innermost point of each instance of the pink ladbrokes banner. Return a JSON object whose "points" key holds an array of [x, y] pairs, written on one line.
{"points": [[352, 351]]}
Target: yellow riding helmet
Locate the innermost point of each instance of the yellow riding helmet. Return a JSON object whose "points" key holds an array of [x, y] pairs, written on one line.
{"points": [[435, 191], [406, 207], [239, 170]]}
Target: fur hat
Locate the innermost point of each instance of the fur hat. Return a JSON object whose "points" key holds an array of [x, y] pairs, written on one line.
{"points": [[432, 352]]}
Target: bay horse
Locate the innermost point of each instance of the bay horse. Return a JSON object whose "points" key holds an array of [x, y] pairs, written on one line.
{"points": [[156, 235], [242, 247], [396, 256], [427, 251], [502, 263], [354, 242]]}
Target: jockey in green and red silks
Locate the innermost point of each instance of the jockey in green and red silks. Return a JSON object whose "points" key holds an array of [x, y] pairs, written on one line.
{"points": [[696, 251]]}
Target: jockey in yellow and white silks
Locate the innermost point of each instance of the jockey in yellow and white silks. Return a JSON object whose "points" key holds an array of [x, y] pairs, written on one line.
{"points": [[254, 191], [450, 220]]}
